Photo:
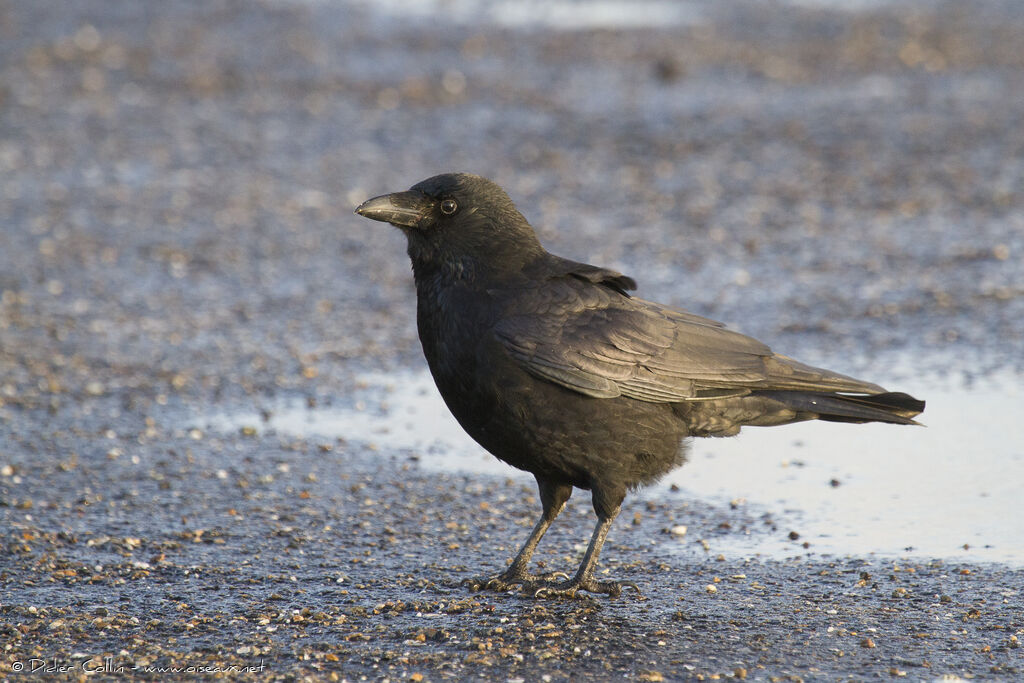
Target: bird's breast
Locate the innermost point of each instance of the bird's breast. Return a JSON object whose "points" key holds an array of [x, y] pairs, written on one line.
{"points": [[451, 322]]}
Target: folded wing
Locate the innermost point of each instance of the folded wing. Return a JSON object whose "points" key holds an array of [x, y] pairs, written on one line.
{"points": [[583, 332]]}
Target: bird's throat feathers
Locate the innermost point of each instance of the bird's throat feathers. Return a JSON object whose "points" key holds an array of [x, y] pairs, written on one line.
{"points": [[479, 246]]}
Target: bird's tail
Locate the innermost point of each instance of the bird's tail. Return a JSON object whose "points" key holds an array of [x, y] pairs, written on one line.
{"points": [[892, 407]]}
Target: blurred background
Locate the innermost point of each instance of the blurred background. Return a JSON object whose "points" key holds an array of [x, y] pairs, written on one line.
{"points": [[840, 178], [178, 178]]}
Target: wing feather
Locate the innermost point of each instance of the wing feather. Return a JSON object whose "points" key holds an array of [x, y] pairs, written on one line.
{"points": [[600, 342]]}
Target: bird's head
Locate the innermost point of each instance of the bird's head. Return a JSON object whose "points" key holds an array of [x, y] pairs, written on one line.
{"points": [[460, 221]]}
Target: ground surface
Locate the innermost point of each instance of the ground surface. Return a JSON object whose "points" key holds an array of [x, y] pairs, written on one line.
{"points": [[177, 187]]}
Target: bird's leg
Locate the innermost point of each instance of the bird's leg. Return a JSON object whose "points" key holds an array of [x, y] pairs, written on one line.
{"points": [[584, 579], [553, 498]]}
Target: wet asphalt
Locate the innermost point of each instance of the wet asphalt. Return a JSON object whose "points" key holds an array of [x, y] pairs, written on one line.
{"points": [[177, 241]]}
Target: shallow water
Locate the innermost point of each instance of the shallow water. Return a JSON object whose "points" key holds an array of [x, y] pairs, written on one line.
{"points": [[574, 15], [948, 490], [571, 15], [884, 489]]}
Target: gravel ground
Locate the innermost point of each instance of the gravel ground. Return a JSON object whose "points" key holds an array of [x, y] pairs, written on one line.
{"points": [[177, 187]]}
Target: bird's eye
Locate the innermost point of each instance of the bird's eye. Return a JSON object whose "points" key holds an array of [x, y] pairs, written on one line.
{"points": [[449, 206]]}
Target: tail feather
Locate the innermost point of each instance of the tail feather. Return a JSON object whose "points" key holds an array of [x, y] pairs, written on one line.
{"points": [[891, 407]]}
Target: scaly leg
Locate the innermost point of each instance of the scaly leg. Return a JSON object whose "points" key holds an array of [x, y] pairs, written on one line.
{"points": [[552, 498], [584, 579]]}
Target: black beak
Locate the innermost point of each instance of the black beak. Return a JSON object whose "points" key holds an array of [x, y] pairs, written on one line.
{"points": [[406, 209]]}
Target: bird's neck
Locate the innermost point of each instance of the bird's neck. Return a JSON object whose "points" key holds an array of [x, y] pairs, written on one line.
{"points": [[437, 274], [467, 270]]}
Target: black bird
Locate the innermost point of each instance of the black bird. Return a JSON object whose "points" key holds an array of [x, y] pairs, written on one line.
{"points": [[554, 368]]}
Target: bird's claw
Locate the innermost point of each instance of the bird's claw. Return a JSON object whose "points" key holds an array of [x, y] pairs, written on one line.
{"points": [[571, 589], [506, 581], [549, 577]]}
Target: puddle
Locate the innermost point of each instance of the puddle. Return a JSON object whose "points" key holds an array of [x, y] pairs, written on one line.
{"points": [[564, 16], [846, 489], [388, 412], [577, 15], [885, 489]]}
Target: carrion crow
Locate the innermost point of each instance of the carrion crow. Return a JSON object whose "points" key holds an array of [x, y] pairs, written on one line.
{"points": [[553, 367]]}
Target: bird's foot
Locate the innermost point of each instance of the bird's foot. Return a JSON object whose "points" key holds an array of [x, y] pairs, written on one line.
{"points": [[509, 579], [572, 588]]}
